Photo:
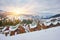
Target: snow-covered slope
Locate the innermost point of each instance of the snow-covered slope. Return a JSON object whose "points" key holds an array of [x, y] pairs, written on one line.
{"points": [[47, 34]]}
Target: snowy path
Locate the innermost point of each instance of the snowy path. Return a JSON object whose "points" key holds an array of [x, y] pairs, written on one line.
{"points": [[47, 34]]}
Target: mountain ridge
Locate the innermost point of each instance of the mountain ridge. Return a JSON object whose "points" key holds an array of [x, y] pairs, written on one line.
{"points": [[57, 15]]}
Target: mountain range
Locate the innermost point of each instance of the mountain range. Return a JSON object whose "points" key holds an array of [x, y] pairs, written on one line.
{"points": [[39, 16]]}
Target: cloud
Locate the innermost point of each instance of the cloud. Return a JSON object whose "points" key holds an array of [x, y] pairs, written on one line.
{"points": [[52, 6], [34, 6]]}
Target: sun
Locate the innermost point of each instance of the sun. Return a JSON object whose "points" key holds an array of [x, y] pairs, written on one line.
{"points": [[17, 11]]}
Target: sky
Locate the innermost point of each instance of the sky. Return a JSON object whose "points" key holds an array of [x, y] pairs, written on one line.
{"points": [[31, 6]]}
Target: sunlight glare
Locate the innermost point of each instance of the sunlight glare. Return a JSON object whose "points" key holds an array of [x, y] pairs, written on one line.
{"points": [[18, 11]]}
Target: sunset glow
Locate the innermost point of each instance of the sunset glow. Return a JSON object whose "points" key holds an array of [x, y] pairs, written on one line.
{"points": [[17, 11]]}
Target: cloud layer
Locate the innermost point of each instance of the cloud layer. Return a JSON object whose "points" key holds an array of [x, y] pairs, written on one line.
{"points": [[34, 6]]}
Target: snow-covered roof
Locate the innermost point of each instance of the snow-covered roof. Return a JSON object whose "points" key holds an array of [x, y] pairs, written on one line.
{"points": [[4, 28], [49, 20], [17, 25], [13, 28], [47, 23], [6, 31], [33, 25], [54, 23]]}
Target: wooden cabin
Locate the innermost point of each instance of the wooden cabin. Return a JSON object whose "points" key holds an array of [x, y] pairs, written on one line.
{"points": [[37, 27], [20, 30], [6, 31], [44, 27]]}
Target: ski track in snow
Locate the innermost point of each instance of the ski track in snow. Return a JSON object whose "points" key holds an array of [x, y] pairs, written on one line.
{"points": [[46, 34]]}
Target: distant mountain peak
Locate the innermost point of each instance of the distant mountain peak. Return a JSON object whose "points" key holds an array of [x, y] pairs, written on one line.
{"points": [[1, 10], [57, 15]]}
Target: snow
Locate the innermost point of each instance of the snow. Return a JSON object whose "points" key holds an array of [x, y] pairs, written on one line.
{"points": [[13, 28], [54, 23], [58, 20], [49, 19], [26, 28], [47, 23], [4, 28], [46, 34], [33, 25], [6, 31]]}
